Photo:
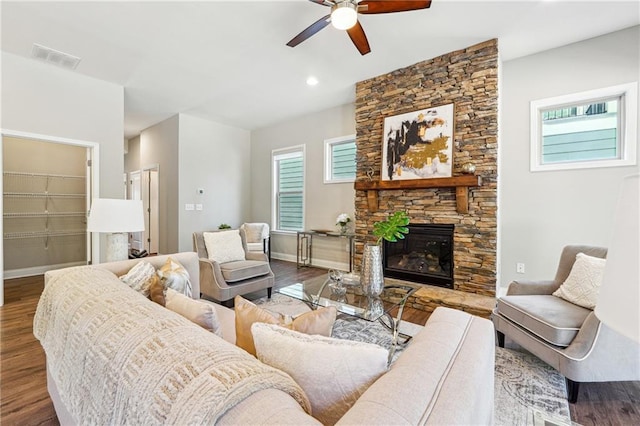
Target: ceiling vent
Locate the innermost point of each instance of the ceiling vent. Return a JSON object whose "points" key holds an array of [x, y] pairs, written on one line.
{"points": [[55, 57]]}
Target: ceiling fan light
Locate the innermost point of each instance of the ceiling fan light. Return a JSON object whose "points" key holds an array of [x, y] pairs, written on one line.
{"points": [[344, 15]]}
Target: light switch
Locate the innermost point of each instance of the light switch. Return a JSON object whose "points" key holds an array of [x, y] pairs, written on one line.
{"points": [[188, 206], [198, 206]]}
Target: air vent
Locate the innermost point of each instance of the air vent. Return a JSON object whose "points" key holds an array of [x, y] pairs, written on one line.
{"points": [[55, 57]]}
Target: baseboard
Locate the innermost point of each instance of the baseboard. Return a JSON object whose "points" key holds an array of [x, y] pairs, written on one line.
{"points": [[317, 263], [38, 270]]}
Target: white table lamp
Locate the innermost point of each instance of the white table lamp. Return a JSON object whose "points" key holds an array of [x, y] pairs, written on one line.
{"points": [[619, 300], [116, 218]]}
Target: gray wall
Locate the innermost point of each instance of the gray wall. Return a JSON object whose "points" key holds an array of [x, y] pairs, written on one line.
{"points": [[323, 202], [541, 212], [216, 158], [159, 146]]}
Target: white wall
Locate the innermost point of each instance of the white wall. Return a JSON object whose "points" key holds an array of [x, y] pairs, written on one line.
{"points": [[42, 99], [543, 211], [159, 146], [323, 202], [216, 158]]}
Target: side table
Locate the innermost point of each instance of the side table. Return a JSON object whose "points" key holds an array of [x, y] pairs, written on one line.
{"points": [[304, 246]]}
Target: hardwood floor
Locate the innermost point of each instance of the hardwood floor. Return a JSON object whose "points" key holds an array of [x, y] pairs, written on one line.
{"points": [[23, 387]]}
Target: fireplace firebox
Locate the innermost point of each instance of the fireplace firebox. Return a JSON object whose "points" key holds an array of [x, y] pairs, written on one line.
{"points": [[424, 256]]}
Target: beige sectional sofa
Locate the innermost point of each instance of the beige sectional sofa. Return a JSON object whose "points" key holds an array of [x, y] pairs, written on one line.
{"points": [[114, 356]]}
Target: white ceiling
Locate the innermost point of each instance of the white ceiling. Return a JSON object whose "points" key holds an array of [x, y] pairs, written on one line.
{"points": [[227, 60]]}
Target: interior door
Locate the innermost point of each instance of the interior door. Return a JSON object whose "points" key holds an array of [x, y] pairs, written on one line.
{"points": [[135, 193]]}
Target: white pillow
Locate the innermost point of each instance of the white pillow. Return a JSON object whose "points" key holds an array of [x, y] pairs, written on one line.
{"points": [[195, 311], [140, 277], [332, 372], [583, 283], [224, 246]]}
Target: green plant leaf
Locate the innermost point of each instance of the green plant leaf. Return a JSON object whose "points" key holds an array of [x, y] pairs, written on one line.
{"points": [[393, 228]]}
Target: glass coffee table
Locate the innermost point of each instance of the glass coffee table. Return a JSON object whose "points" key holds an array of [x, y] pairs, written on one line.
{"points": [[348, 299]]}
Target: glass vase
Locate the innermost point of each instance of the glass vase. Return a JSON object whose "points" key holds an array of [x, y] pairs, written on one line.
{"points": [[371, 277]]}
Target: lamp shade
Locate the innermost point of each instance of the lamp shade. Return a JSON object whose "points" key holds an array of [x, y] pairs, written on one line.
{"points": [[114, 215], [618, 304], [344, 15]]}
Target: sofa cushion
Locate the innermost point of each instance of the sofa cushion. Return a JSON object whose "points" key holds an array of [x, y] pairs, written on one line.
{"points": [[582, 286], [243, 270], [174, 276], [319, 321], [140, 277], [549, 317], [224, 246], [332, 372], [195, 311]]}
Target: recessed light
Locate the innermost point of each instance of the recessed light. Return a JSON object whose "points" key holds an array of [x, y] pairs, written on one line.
{"points": [[312, 81]]}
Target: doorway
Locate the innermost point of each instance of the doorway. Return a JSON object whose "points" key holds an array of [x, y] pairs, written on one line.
{"points": [[144, 185], [45, 203]]}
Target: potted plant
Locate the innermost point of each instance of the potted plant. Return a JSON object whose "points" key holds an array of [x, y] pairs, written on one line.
{"points": [[392, 229], [343, 220], [224, 226]]}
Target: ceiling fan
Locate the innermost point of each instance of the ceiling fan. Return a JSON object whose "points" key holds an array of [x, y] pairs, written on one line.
{"points": [[344, 16]]}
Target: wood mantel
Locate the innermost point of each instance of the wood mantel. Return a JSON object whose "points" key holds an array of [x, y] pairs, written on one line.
{"points": [[461, 183]]}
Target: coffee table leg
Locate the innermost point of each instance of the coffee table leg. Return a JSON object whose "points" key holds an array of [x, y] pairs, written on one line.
{"points": [[394, 325]]}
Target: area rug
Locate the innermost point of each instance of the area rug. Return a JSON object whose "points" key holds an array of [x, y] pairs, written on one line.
{"points": [[528, 392]]}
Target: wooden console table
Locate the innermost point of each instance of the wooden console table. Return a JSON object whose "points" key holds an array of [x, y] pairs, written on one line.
{"points": [[304, 245], [461, 183]]}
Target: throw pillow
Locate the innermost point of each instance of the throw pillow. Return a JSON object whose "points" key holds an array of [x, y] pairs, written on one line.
{"points": [[140, 277], [583, 283], [332, 372], [319, 321], [224, 246], [156, 291], [175, 276], [196, 311]]}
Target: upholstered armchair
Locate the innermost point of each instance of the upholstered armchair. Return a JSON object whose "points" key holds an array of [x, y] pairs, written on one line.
{"points": [[227, 268], [568, 337], [257, 237]]}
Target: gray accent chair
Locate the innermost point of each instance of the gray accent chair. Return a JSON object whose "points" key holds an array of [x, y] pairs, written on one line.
{"points": [[568, 337], [223, 281]]}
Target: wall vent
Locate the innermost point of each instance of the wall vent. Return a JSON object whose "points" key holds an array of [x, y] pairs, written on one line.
{"points": [[55, 57]]}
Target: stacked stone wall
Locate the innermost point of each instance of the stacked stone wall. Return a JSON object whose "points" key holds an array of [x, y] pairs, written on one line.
{"points": [[467, 78]]}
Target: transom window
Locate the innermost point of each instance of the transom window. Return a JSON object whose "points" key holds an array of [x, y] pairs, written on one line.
{"points": [[288, 189], [340, 159], [589, 129]]}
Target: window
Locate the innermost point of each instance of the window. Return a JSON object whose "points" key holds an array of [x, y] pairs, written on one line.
{"points": [[288, 189], [340, 159], [589, 129]]}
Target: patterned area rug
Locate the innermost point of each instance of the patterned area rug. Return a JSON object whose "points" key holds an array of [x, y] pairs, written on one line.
{"points": [[527, 391]]}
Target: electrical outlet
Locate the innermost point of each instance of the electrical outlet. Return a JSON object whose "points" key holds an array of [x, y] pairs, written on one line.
{"points": [[520, 268]]}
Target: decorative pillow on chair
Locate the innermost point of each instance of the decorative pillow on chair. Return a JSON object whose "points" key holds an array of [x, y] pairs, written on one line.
{"points": [[583, 283], [140, 277], [332, 372], [174, 276], [196, 311], [224, 246], [319, 321]]}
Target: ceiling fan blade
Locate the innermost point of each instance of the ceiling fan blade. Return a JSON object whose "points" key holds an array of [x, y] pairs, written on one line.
{"points": [[359, 38], [389, 6], [310, 30], [323, 2]]}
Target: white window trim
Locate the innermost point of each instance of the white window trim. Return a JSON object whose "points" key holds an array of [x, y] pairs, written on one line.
{"points": [[328, 144], [628, 123], [282, 152]]}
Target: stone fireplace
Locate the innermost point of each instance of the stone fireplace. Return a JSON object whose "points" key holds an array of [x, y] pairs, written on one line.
{"points": [[467, 78], [425, 255]]}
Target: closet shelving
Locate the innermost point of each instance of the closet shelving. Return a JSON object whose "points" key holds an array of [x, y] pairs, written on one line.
{"points": [[43, 205]]}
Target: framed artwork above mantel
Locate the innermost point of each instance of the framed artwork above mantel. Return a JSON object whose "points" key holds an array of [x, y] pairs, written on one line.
{"points": [[418, 144]]}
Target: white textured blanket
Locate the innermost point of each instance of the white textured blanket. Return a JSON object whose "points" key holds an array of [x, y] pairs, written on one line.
{"points": [[118, 358]]}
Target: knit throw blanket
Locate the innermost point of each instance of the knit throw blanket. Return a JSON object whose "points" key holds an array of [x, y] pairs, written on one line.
{"points": [[120, 359]]}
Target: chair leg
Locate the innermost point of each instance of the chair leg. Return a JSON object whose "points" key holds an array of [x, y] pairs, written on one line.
{"points": [[500, 336], [269, 292], [572, 390]]}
